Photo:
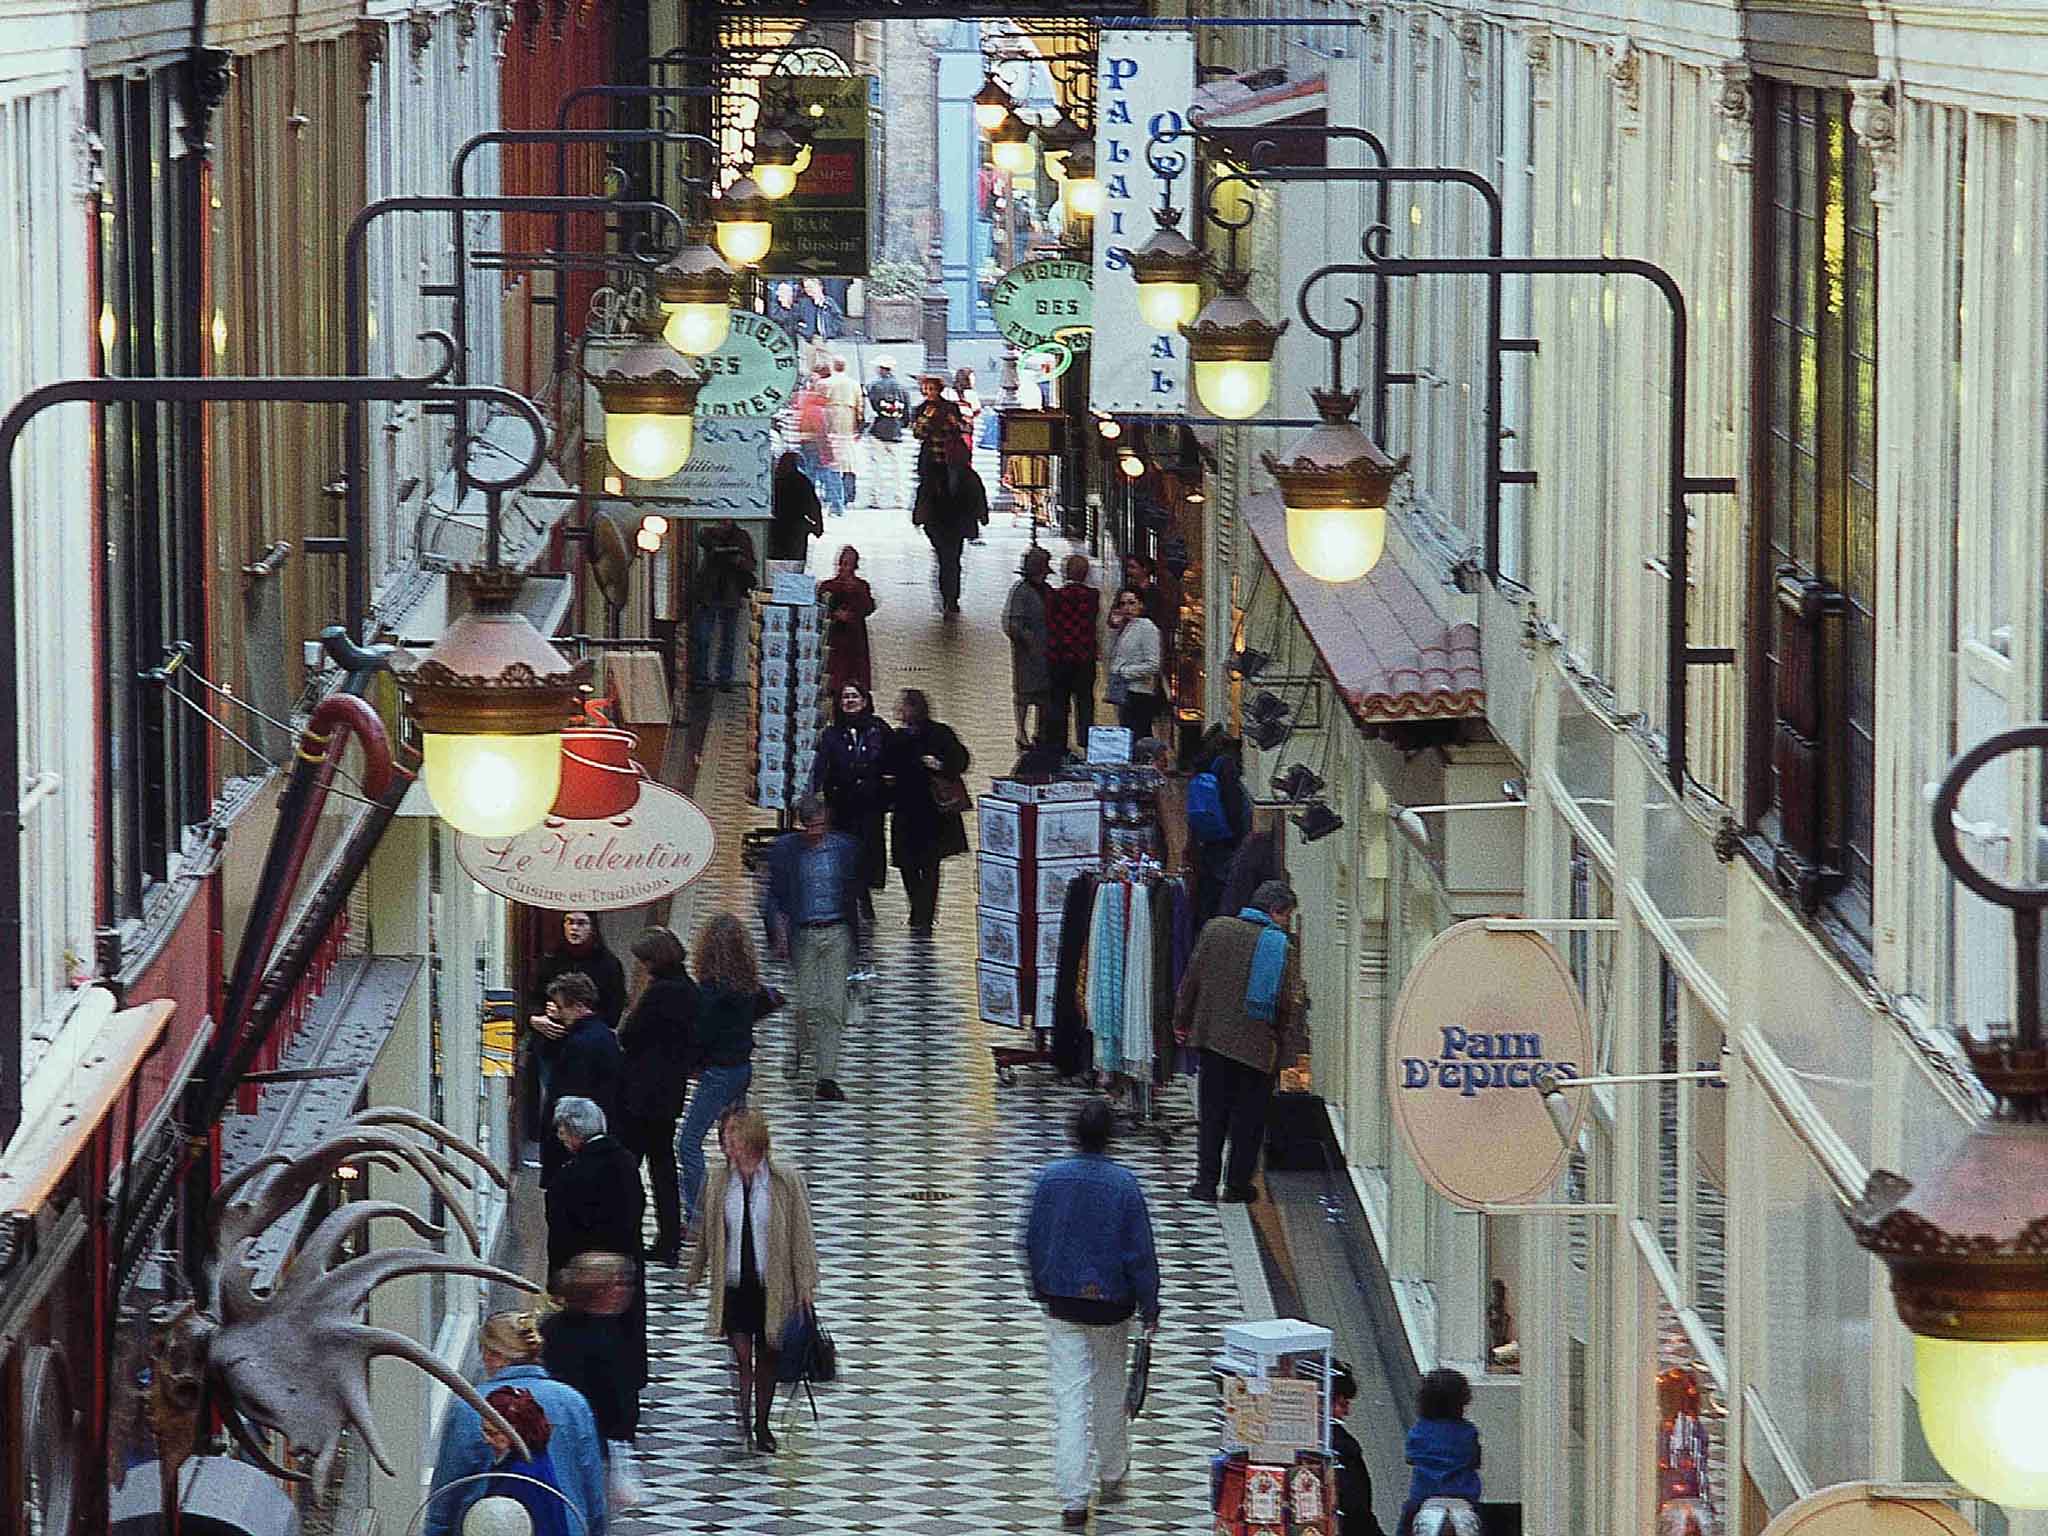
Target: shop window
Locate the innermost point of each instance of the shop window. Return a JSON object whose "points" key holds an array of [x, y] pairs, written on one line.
{"points": [[154, 751], [1813, 769]]}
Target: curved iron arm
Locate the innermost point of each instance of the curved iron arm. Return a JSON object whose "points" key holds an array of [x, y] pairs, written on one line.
{"points": [[355, 346], [570, 101]]}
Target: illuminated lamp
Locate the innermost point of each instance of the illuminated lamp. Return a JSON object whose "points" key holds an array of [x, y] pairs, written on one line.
{"points": [[991, 105], [648, 540], [1231, 346], [695, 290], [648, 400], [1110, 428], [741, 223], [1335, 489], [1009, 146], [1168, 271], [775, 160], [1083, 195], [655, 524], [491, 700], [1132, 466]]}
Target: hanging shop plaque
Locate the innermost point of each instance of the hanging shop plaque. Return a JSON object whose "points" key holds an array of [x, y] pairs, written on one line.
{"points": [[729, 474], [821, 228], [752, 373], [644, 850], [1855, 1509], [1042, 301], [1479, 1014]]}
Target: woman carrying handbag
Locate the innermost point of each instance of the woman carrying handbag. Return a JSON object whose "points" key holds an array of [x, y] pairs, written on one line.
{"points": [[929, 802]]}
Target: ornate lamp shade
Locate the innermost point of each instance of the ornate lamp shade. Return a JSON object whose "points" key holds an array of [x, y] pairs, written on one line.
{"points": [[695, 290], [991, 105], [1168, 271], [1335, 488], [648, 400], [741, 223], [491, 701], [1083, 192], [1009, 145], [776, 154], [1231, 345]]}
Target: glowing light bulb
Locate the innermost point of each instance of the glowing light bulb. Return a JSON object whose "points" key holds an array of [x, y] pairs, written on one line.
{"points": [[1982, 1406], [775, 181], [654, 523], [646, 445], [743, 242], [1336, 544], [1235, 388], [1084, 196], [648, 540], [697, 329], [492, 786], [1169, 306]]}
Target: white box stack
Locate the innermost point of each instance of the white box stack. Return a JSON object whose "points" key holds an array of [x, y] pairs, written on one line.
{"points": [[1032, 840], [786, 690]]}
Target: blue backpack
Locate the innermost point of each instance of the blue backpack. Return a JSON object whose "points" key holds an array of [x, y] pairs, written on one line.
{"points": [[1207, 820]]}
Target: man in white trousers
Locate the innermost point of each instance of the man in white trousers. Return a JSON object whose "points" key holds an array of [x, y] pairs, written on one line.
{"points": [[1088, 1255]]}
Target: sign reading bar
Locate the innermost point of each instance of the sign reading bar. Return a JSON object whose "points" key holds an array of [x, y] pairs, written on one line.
{"points": [[1144, 81], [1479, 1014], [1044, 301], [821, 229], [650, 851], [752, 374]]}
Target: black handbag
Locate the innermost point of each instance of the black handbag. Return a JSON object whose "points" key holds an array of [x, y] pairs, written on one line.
{"points": [[806, 1354]]}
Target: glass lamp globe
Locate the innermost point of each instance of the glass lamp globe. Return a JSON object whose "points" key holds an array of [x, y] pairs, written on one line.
{"points": [[1084, 196], [1231, 345], [1235, 388], [1336, 544], [492, 786], [1131, 465], [1335, 487], [741, 223], [991, 105], [1010, 147], [1984, 1409], [1110, 428], [648, 540], [649, 445], [696, 329], [1167, 306], [775, 181]]}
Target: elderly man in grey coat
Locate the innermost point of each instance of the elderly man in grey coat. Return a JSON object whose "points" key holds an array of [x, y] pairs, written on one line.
{"points": [[1024, 623]]}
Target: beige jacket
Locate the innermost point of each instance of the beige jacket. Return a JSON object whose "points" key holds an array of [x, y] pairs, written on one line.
{"points": [[792, 1250], [1209, 1012]]}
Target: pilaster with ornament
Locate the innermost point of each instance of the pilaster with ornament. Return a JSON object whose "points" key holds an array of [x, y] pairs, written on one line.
{"points": [[1735, 106], [419, 37], [501, 27], [89, 170], [1376, 35], [466, 12], [1470, 31], [372, 38], [1539, 46], [1625, 70], [1418, 41], [1874, 119]]}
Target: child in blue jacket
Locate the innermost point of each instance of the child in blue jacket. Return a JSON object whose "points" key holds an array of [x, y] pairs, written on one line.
{"points": [[1443, 1446]]}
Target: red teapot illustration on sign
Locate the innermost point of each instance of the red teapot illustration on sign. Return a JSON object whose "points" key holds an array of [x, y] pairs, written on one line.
{"points": [[600, 779]]}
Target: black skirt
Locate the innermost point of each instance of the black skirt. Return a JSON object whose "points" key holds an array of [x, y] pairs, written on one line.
{"points": [[746, 1310]]}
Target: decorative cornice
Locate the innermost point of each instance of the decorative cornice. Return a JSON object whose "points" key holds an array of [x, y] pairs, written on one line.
{"points": [[89, 173], [1874, 119], [1418, 41], [371, 40], [1735, 105], [1625, 70]]}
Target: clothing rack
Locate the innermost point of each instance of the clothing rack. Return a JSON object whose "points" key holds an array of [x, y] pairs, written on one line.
{"points": [[1141, 1107]]}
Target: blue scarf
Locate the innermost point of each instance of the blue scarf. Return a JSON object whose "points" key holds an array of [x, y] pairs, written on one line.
{"points": [[1269, 963]]}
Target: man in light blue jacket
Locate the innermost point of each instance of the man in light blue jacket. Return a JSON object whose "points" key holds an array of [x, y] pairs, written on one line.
{"points": [[1089, 1259], [511, 1356]]}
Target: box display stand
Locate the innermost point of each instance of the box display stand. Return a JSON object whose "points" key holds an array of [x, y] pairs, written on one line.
{"points": [[1273, 1471], [786, 694], [1031, 840]]}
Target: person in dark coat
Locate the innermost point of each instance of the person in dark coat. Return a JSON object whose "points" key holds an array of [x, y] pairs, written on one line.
{"points": [[1354, 1479], [659, 1043], [1259, 858], [848, 773], [585, 1344], [795, 517], [595, 1205], [945, 502], [583, 949], [920, 834], [1213, 857], [585, 1061], [850, 603]]}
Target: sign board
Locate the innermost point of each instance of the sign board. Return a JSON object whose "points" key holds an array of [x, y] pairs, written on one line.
{"points": [[1144, 81], [1109, 744], [730, 472], [1477, 1016], [649, 851], [1853, 1509], [821, 229], [752, 373], [1043, 301]]}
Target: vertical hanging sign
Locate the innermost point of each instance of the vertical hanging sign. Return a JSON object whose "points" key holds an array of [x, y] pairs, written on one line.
{"points": [[1144, 83]]}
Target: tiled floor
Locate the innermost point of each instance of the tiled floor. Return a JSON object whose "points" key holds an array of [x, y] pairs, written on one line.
{"points": [[938, 1423]]}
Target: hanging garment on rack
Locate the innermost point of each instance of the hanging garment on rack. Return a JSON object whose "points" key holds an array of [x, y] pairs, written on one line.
{"points": [[1106, 974], [1164, 897], [1134, 1036], [1070, 1048]]}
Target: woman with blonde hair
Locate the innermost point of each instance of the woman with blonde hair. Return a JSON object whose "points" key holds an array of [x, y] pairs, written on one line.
{"points": [[730, 1000], [757, 1247]]}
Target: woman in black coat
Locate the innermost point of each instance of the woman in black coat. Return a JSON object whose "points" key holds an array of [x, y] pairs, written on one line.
{"points": [[848, 773], [659, 1039], [583, 949], [586, 1344], [594, 1205], [921, 835]]}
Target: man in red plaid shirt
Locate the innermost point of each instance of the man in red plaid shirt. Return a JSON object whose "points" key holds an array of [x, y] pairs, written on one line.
{"points": [[1072, 616]]}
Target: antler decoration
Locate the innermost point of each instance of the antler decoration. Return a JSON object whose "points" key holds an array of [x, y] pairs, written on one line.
{"points": [[293, 1358]]}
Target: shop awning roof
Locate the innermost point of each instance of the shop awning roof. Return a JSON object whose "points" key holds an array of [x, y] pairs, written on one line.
{"points": [[456, 533], [58, 1125], [1393, 657]]}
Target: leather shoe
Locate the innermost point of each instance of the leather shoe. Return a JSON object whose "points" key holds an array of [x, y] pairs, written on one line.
{"points": [[1201, 1192], [1074, 1519], [764, 1439], [1239, 1194], [827, 1089]]}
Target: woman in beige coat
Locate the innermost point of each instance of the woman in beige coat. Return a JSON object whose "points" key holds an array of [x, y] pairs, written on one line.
{"points": [[754, 1241]]}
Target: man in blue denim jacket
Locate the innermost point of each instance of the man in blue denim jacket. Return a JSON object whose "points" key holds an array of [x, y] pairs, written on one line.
{"points": [[812, 913], [1088, 1256]]}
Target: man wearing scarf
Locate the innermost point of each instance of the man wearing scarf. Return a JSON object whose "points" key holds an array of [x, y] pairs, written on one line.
{"points": [[1241, 1002]]}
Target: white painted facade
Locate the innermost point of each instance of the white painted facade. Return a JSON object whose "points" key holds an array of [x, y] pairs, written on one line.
{"points": [[1632, 132]]}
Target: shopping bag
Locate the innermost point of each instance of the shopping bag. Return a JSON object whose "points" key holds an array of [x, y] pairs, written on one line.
{"points": [[1140, 1378]]}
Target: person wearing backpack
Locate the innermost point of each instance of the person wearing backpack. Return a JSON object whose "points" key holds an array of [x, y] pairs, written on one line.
{"points": [[1219, 816]]}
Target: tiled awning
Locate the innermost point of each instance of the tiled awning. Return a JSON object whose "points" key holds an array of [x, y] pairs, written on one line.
{"points": [[1393, 657]]}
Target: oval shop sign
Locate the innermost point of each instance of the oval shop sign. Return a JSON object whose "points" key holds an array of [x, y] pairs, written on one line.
{"points": [[1043, 301], [653, 849], [1479, 1014], [752, 373]]}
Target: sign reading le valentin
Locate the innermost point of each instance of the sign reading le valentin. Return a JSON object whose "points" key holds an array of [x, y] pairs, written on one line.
{"points": [[1480, 1018], [601, 864], [1042, 301]]}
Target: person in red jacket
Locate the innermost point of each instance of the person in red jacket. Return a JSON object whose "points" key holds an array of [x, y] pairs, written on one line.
{"points": [[1073, 617]]}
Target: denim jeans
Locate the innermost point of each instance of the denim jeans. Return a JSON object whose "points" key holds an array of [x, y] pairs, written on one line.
{"points": [[721, 622], [716, 1088]]}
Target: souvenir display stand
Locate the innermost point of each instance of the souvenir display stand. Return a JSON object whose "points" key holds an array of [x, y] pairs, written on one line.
{"points": [[786, 689], [1274, 1474], [1032, 840]]}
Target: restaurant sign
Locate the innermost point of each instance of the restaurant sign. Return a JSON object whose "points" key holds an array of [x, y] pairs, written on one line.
{"points": [[597, 864], [752, 373], [1484, 1017]]}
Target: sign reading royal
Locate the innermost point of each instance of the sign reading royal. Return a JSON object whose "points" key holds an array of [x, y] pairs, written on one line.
{"points": [[1043, 301], [1481, 1017], [598, 864], [1144, 81], [752, 373]]}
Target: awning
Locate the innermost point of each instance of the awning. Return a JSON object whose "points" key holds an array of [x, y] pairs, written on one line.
{"points": [[526, 516], [59, 1124], [336, 1047], [1393, 657]]}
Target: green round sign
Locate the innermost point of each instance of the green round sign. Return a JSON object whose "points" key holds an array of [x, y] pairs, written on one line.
{"points": [[1044, 301], [753, 373]]}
